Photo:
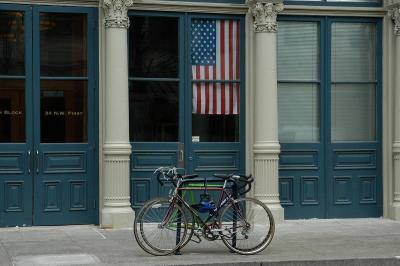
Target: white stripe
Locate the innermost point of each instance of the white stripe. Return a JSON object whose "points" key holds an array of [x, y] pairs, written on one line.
{"points": [[203, 91], [234, 47], [226, 49], [227, 94], [235, 98], [218, 50], [210, 91], [194, 91], [218, 98]]}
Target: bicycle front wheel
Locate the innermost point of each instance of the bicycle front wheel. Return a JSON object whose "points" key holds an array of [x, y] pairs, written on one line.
{"points": [[247, 226], [160, 227]]}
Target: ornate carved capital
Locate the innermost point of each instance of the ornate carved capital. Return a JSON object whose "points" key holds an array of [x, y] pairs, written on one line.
{"points": [[394, 13], [116, 13], [265, 13]]}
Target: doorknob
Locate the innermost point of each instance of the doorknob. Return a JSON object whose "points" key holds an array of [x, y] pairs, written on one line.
{"points": [[37, 161], [29, 162]]}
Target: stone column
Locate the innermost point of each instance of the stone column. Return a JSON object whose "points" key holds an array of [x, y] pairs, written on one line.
{"points": [[266, 146], [117, 211], [395, 14]]}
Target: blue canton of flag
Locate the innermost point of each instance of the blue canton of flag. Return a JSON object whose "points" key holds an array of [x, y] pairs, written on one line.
{"points": [[203, 42]]}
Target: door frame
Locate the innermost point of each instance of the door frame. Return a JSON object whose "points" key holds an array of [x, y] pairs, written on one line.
{"points": [[32, 105], [324, 146]]}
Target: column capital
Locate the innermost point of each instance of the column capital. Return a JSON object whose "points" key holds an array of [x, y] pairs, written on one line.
{"points": [[265, 13], [394, 13], [116, 13]]}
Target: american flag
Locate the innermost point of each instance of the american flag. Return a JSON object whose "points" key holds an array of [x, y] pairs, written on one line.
{"points": [[215, 56]]}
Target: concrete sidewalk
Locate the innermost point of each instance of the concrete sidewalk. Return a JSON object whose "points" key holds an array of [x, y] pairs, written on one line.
{"points": [[300, 242]]}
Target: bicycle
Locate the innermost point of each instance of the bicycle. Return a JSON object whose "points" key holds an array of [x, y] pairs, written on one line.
{"points": [[165, 225]]}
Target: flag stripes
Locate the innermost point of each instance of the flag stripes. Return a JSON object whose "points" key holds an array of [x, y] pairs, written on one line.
{"points": [[211, 96]]}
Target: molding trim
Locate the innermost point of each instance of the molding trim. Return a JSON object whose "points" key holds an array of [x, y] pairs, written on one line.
{"points": [[116, 13], [265, 14], [394, 13], [298, 10], [198, 7], [87, 3]]}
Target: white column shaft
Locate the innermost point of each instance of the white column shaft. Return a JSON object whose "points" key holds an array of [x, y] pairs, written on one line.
{"points": [[117, 94], [117, 211], [266, 146]]}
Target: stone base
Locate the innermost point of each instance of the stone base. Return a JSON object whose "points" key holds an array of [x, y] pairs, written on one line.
{"points": [[395, 211], [117, 217], [277, 212]]}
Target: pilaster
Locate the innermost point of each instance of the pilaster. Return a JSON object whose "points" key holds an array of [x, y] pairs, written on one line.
{"points": [[394, 13], [116, 211], [266, 146]]}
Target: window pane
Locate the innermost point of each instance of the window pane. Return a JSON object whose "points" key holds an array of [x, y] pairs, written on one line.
{"points": [[12, 111], [63, 111], [353, 52], [153, 47], [63, 42], [215, 128], [215, 108], [12, 43], [353, 112], [298, 50], [154, 111], [299, 112]]}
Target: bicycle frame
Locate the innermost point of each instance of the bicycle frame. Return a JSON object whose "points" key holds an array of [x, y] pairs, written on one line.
{"points": [[224, 199]]}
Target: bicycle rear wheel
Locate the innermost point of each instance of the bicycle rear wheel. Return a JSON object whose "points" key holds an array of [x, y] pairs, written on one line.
{"points": [[160, 227], [247, 226]]}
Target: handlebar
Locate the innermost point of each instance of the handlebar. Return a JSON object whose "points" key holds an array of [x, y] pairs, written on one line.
{"points": [[171, 174], [247, 180]]}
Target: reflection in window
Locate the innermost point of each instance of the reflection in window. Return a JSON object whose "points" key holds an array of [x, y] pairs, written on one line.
{"points": [[63, 111], [154, 111], [63, 45], [153, 47], [12, 43], [12, 111]]}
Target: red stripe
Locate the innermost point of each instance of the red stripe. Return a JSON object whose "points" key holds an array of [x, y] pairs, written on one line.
{"points": [[222, 42], [237, 51], [206, 76], [214, 91], [198, 90], [230, 66]]}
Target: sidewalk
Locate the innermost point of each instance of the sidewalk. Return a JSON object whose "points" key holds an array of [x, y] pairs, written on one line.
{"points": [[300, 242]]}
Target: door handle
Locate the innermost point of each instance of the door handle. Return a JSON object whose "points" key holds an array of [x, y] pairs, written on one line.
{"points": [[37, 161], [29, 162]]}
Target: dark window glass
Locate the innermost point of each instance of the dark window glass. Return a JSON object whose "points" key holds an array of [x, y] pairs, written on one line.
{"points": [[63, 44], [215, 128], [63, 111], [154, 111], [12, 111], [153, 47], [12, 43]]}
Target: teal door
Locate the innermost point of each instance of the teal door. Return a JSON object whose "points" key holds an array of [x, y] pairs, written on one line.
{"points": [[329, 87], [186, 97], [47, 116]]}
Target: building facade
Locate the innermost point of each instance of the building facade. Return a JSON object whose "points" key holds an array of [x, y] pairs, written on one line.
{"points": [[94, 95]]}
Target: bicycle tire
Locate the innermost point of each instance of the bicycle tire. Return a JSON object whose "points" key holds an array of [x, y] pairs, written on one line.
{"points": [[250, 226], [154, 237]]}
